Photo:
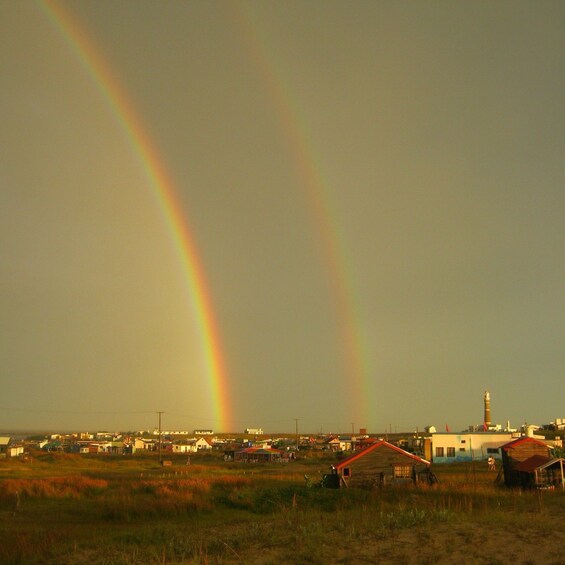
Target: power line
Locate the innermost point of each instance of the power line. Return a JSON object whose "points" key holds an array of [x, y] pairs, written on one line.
{"points": [[51, 411]]}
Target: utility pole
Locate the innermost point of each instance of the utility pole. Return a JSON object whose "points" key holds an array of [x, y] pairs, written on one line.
{"points": [[160, 459], [352, 429], [296, 430]]}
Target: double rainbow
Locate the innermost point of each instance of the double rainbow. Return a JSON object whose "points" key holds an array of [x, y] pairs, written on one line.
{"points": [[308, 169]]}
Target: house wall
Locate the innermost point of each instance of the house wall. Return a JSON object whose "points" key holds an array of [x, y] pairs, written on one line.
{"points": [[378, 467], [455, 447], [15, 450], [184, 448]]}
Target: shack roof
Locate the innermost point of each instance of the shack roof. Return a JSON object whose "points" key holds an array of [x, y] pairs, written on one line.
{"points": [[532, 463], [259, 450], [377, 445], [536, 462], [522, 440]]}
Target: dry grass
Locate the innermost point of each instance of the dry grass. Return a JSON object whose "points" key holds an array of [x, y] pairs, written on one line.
{"points": [[125, 511], [55, 487]]}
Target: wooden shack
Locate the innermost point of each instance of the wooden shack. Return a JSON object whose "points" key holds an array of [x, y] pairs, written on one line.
{"points": [[515, 453], [258, 455], [381, 464]]}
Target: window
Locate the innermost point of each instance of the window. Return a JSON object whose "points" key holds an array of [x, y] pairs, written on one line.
{"points": [[439, 451], [402, 471], [346, 472], [463, 441], [492, 449], [451, 451], [461, 449]]}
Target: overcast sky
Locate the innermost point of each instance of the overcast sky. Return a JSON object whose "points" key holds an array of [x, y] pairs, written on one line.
{"points": [[388, 173]]}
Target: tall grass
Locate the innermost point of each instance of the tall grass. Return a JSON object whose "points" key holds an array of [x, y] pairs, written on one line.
{"points": [[138, 512], [55, 487]]}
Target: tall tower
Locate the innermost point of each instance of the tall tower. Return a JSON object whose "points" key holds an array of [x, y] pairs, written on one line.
{"points": [[487, 421]]}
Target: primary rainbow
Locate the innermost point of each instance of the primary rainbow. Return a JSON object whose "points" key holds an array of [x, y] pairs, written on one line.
{"points": [[319, 195], [153, 164]]}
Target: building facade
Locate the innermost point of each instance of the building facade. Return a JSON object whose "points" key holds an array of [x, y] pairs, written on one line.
{"points": [[447, 447]]}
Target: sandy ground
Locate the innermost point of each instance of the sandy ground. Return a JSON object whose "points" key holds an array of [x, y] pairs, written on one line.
{"points": [[464, 545]]}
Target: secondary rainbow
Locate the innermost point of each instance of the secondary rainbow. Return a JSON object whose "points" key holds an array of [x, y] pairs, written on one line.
{"points": [[152, 162], [318, 192]]}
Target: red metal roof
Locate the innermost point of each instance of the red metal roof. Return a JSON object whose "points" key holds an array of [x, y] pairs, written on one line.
{"points": [[374, 446], [521, 440], [531, 464], [259, 450]]}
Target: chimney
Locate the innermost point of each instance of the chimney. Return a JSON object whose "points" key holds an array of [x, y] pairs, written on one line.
{"points": [[487, 421]]}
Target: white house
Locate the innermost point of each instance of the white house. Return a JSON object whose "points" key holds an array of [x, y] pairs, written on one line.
{"points": [[559, 423], [9, 449], [202, 444], [448, 447], [190, 445], [142, 443], [185, 446], [253, 431]]}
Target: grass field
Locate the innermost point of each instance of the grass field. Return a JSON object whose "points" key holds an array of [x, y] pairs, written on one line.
{"points": [[124, 510]]}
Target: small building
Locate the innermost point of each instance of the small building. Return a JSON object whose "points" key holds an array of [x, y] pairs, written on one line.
{"points": [[334, 444], [202, 444], [141, 444], [257, 455], [184, 446], [521, 458], [381, 464], [115, 447], [190, 445], [4, 444], [253, 431], [15, 450], [10, 449], [558, 424]]}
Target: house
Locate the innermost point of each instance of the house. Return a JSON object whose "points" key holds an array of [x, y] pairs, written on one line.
{"points": [[4, 444], [258, 455], [10, 449], [334, 444], [347, 443], [190, 445], [85, 448], [558, 424], [115, 447], [253, 431], [202, 444], [522, 458], [15, 450], [449, 447], [145, 444], [185, 446], [380, 464]]}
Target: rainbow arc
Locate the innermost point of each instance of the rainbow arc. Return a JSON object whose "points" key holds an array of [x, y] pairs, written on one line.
{"points": [[110, 87]]}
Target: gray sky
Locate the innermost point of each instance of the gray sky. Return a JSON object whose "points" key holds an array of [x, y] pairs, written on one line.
{"points": [[387, 170]]}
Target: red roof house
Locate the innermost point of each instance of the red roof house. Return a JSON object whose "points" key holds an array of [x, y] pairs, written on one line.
{"points": [[519, 459], [380, 464], [257, 455]]}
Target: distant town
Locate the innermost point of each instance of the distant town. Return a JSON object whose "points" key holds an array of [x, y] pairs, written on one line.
{"points": [[478, 442]]}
